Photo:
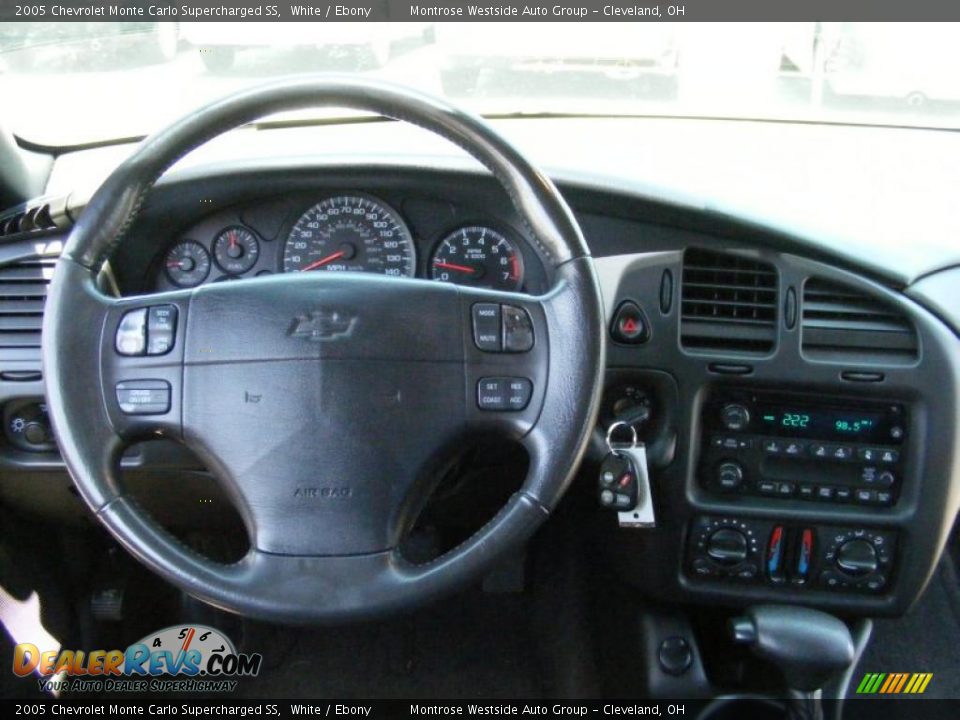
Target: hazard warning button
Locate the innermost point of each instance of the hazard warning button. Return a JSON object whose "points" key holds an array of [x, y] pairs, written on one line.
{"points": [[630, 326]]}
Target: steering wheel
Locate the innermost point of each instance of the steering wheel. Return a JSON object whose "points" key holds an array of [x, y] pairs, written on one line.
{"points": [[326, 403]]}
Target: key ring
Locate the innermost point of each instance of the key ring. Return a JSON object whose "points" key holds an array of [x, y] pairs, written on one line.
{"points": [[613, 428]]}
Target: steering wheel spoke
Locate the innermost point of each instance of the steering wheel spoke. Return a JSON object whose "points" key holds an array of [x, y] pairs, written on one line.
{"points": [[141, 364]]}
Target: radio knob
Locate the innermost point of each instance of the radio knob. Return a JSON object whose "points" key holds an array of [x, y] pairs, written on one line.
{"points": [[729, 475], [727, 547], [735, 416], [857, 558]]}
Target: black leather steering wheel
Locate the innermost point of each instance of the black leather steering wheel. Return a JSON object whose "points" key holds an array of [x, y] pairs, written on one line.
{"points": [[364, 386]]}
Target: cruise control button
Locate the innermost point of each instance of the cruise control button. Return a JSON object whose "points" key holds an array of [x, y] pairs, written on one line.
{"points": [[132, 333], [517, 329], [143, 397], [519, 391], [492, 394], [504, 393], [486, 327], [161, 327]]}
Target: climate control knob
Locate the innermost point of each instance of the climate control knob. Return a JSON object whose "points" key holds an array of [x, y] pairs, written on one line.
{"points": [[727, 547], [735, 416], [857, 558]]}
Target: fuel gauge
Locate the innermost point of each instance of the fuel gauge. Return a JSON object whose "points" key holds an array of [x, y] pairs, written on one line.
{"points": [[236, 250]]}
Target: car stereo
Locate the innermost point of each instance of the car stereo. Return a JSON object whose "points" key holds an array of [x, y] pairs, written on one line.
{"points": [[815, 448]]}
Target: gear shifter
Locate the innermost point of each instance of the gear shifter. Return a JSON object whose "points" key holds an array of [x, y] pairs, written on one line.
{"points": [[808, 646]]}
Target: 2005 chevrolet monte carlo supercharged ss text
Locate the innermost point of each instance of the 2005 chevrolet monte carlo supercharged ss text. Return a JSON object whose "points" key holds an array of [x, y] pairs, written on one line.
{"points": [[488, 362]]}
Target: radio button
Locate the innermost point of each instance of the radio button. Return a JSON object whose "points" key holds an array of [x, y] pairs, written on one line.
{"points": [[868, 454], [767, 487], [819, 450], [843, 494], [841, 452], [886, 479], [889, 456], [772, 447], [825, 492], [735, 416], [794, 448], [884, 497], [865, 495], [808, 492], [786, 489]]}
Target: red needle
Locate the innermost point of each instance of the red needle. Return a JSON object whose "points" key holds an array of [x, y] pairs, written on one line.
{"points": [[233, 238], [452, 266], [323, 261]]}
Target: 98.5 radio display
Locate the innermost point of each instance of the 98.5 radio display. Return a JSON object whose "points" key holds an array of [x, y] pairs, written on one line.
{"points": [[826, 423]]}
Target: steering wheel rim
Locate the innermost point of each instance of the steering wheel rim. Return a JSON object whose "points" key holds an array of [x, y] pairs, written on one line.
{"points": [[300, 569]]}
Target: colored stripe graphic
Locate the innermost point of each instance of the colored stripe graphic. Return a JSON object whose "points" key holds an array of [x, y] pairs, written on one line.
{"points": [[894, 683]]}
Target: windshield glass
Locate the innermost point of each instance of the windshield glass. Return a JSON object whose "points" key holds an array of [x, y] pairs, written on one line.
{"points": [[79, 82]]}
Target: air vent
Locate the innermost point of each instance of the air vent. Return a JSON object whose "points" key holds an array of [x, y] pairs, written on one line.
{"points": [[23, 291], [842, 323], [29, 220], [728, 302]]}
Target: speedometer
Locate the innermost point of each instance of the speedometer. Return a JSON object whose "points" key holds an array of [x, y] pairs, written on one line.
{"points": [[353, 233]]}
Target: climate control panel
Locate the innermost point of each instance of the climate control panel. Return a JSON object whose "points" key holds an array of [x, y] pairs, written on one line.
{"points": [[784, 446], [797, 555]]}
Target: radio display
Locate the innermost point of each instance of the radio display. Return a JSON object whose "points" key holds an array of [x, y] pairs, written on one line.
{"points": [[855, 424]]}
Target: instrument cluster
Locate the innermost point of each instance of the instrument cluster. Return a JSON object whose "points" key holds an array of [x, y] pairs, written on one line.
{"points": [[352, 232]]}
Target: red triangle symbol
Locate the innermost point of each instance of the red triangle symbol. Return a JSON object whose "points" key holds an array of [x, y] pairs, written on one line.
{"points": [[629, 325]]}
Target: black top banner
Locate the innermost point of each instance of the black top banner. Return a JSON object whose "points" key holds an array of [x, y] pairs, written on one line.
{"points": [[470, 11]]}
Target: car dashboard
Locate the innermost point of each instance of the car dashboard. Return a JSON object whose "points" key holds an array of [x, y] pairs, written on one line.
{"points": [[799, 415]]}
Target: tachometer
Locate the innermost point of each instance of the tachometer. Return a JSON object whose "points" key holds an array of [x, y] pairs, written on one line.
{"points": [[478, 256], [350, 233]]}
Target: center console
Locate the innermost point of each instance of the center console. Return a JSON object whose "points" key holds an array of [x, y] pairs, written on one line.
{"points": [[766, 447]]}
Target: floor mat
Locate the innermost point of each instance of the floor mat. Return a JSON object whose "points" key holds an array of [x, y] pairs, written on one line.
{"points": [[473, 646], [927, 639]]}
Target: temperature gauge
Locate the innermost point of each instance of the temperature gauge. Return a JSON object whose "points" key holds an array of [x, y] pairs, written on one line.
{"points": [[187, 264], [236, 250]]}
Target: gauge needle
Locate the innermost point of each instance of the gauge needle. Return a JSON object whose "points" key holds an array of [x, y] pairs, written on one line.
{"points": [[452, 266], [323, 261]]}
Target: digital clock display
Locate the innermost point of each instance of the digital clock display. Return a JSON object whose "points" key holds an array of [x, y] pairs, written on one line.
{"points": [[825, 423]]}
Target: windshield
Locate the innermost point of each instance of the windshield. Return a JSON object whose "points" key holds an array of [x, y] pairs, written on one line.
{"points": [[81, 82]]}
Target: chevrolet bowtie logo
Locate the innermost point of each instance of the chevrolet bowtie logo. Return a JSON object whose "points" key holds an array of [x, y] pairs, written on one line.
{"points": [[322, 325]]}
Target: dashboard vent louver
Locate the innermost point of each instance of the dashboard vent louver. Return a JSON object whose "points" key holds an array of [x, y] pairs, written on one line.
{"points": [[23, 292], [842, 323], [24, 221], [728, 302]]}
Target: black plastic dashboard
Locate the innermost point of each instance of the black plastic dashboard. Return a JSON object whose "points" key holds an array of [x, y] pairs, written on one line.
{"points": [[735, 315]]}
